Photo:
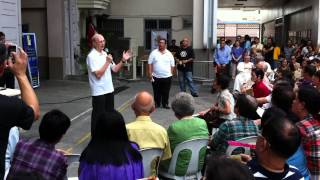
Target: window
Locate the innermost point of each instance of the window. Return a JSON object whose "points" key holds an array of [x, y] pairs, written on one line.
{"points": [[156, 25]]}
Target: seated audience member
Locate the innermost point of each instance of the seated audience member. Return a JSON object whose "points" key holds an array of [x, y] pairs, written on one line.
{"points": [[13, 111], [225, 102], [259, 88], [40, 155], [268, 72], [240, 127], [110, 155], [307, 106], [12, 142], [278, 141], [186, 128], [244, 73], [282, 97], [145, 132], [307, 73], [227, 169], [316, 80]]}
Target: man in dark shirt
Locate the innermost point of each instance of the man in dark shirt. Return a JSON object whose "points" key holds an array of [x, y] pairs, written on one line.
{"points": [[13, 111], [184, 60], [279, 140], [173, 48]]}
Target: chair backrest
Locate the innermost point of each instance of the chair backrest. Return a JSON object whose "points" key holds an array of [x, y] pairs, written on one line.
{"points": [[73, 166], [195, 145], [148, 156], [72, 158], [247, 140]]}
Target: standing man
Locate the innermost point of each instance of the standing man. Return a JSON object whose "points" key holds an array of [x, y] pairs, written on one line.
{"points": [[173, 48], [100, 64], [184, 58], [161, 66], [7, 80], [14, 111], [222, 58]]}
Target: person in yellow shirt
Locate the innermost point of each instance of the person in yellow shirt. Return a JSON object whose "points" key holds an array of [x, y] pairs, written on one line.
{"points": [[276, 54], [143, 130]]}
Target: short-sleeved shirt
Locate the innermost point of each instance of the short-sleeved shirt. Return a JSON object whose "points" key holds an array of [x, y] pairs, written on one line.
{"points": [[182, 130], [260, 173], [148, 134], [95, 61], [161, 63], [232, 130], [260, 90], [185, 54], [38, 156], [310, 137], [13, 112]]}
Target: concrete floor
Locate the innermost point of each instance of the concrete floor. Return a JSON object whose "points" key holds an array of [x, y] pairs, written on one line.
{"points": [[73, 98]]}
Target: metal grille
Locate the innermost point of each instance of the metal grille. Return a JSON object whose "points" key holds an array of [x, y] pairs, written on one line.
{"points": [[233, 30]]}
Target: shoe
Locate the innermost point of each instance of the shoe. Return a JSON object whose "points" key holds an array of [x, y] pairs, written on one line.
{"points": [[157, 106], [195, 95], [166, 107]]}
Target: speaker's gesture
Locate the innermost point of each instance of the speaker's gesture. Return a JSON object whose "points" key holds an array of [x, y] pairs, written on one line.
{"points": [[126, 55]]}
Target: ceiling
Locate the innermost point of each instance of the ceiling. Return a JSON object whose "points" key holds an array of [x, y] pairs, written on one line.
{"points": [[258, 4]]}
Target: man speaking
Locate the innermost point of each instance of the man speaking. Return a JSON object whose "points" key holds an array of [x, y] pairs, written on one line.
{"points": [[100, 64]]}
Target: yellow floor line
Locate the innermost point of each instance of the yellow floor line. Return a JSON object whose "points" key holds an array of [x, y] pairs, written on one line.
{"points": [[123, 107]]}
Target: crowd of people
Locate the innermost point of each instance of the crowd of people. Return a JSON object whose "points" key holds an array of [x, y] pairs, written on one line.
{"points": [[276, 98]]}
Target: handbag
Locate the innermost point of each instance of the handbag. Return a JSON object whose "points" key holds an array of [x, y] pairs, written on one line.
{"points": [[212, 119]]}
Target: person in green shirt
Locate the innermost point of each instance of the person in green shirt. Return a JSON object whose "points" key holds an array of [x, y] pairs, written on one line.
{"points": [[186, 128]]}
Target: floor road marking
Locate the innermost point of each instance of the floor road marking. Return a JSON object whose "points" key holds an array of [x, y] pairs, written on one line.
{"points": [[81, 140]]}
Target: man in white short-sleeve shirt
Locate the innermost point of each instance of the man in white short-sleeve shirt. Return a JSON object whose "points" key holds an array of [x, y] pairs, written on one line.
{"points": [[161, 66], [100, 64]]}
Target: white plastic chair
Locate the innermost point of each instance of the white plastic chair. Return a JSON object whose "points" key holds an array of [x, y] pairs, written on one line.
{"points": [[247, 140], [195, 146], [72, 159], [148, 155]]}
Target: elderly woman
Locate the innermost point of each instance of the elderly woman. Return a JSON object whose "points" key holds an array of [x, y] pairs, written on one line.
{"points": [[186, 128]]}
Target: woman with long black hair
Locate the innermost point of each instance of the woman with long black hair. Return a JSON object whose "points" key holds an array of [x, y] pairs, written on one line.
{"points": [[110, 155]]}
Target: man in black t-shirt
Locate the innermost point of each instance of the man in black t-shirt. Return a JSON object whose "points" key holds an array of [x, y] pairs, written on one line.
{"points": [[184, 59], [13, 111], [173, 48]]}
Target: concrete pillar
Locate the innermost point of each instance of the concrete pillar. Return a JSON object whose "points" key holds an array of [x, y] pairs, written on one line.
{"points": [[197, 24], [56, 34], [214, 21]]}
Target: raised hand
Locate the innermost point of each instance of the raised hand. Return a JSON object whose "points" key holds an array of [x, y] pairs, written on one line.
{"points": [[21, 61], [126, 55]]}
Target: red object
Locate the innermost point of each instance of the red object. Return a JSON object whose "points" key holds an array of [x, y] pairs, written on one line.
{"points": [[260, 90], [90, 32]]}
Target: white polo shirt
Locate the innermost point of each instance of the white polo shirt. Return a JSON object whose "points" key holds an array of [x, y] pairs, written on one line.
{"points": [[161, 63], [95, 61]]}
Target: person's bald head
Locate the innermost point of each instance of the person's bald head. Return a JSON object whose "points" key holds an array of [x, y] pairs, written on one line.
{"points": [[98, 42], [143, 104], [262, 65]]}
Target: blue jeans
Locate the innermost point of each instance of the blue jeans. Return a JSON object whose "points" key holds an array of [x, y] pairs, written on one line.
{"points": [[185, 77]]}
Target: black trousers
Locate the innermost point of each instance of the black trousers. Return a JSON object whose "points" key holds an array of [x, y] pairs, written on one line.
{"points": [[100, 104], [161, 88], [7, 80]]}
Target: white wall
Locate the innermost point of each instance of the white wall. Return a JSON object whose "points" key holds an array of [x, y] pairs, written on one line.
{"points": [[151, 8], [10, 14], [133, 28], [178, 33]]}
